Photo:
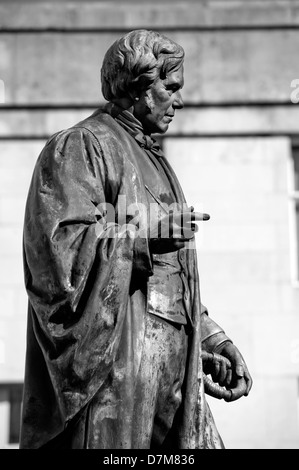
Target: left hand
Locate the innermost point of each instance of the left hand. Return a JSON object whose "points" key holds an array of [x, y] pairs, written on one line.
{"points": [[238, 378]]}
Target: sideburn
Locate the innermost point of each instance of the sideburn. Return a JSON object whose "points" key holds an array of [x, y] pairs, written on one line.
{"points": [[149, 102]]}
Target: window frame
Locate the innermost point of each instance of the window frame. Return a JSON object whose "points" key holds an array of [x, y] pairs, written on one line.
{"points": [[293, 207]]}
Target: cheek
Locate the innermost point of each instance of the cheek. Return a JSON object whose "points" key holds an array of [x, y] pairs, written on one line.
{"points": [[149, 100], [157, 103]]}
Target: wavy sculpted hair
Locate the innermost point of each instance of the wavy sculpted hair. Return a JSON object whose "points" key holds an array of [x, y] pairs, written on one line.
{"points": [[136, 60]]}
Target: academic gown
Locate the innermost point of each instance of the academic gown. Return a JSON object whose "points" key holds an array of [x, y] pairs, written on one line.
{"points": [[88, 294]]}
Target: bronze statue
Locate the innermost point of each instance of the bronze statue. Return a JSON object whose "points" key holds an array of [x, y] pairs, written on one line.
{"points": [[119, 346]]}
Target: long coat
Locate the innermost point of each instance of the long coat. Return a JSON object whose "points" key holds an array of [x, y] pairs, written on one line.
{"points": [[87, 294]]}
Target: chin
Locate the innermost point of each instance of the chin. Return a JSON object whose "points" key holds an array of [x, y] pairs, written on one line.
{"points": [[161, 129]]}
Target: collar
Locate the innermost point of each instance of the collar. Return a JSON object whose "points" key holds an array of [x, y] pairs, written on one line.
{"points": [[134, 127]]}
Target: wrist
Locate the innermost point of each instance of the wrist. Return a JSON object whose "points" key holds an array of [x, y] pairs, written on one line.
{"points": [[215, 342]]}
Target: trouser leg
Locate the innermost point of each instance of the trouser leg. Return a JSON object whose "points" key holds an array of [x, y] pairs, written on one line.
{"points": [[161, 375]]}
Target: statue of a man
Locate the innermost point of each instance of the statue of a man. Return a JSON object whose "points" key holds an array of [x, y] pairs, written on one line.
{"points": [[119, 345]]}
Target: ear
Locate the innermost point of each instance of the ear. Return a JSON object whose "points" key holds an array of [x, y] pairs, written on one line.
{"points": [[133, 96]]}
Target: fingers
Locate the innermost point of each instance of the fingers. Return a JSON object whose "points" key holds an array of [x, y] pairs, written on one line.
{"points": [[215, 371], [179, 224], [218, 367], [199, 216], [229, 370], [239, 390], [176, 228], [241, 371], [220, 370], [229, 376], [183, 222], [214, 390], [248, 380], [239, 368], [187, 216]]}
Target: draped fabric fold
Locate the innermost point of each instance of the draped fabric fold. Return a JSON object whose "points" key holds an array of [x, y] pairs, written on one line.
{"points": [[88, 294]]}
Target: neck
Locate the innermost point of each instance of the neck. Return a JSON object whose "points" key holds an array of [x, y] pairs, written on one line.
{"points": [[126, 104]]}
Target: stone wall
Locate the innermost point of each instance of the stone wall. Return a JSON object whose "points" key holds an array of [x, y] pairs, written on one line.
{"points": [[231, 147]]}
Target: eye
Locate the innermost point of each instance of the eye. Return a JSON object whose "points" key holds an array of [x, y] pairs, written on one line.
{"points": [[172, 88]]}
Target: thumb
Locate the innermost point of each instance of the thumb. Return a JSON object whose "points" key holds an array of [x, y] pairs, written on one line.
{"points": [[239, 369]]}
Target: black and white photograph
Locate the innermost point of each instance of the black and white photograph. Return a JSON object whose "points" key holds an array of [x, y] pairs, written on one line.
{"points": [[149, 227]]}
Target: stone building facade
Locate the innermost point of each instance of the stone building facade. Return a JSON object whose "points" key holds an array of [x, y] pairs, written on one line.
{"points": [[234, 146]]}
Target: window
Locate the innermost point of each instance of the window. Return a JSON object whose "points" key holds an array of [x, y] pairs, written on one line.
{"points": [[294, 213], [11, 395]]}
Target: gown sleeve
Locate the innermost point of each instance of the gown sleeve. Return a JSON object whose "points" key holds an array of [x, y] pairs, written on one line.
{"points": [[78, 283]]}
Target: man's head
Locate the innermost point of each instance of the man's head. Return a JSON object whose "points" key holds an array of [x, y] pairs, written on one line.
{"points": [[144, 69]]}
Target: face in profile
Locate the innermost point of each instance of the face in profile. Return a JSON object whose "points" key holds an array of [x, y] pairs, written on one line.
{"points": [[157, 105]]}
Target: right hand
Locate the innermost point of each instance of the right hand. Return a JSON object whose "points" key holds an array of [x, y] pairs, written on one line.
{"points": [[174, 230]]}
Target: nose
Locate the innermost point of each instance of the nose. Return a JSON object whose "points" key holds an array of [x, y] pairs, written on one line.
{"points": [[178, 101]]}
